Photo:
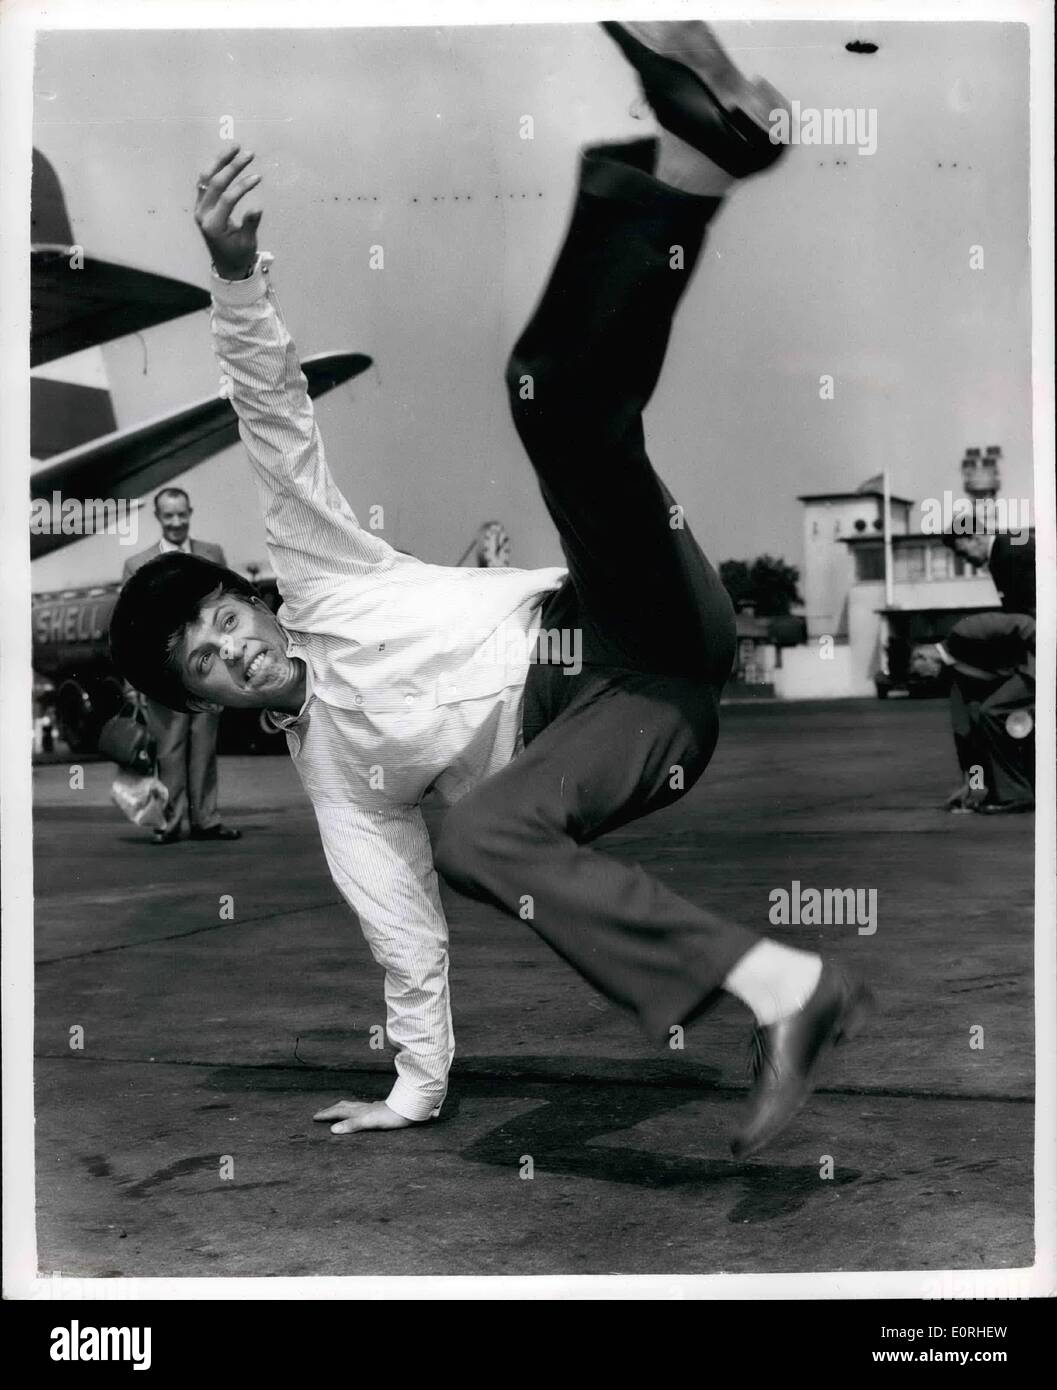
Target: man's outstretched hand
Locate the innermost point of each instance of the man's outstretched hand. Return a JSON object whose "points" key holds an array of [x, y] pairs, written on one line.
{"points": [[231, 235], [354, 1115]]}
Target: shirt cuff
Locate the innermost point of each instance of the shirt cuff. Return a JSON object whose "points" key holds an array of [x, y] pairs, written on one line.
{"points": [[412, 1104], [238, 292]]}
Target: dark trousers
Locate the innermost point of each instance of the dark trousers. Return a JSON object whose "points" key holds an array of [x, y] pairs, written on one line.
{"points": [[979, 711], [187, 764], [638, 724]]}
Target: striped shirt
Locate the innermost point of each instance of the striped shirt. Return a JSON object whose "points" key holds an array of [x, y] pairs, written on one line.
{"points": [[415, 678]]}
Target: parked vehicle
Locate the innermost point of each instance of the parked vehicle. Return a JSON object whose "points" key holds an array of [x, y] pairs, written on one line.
{"points": [[907, 631]]}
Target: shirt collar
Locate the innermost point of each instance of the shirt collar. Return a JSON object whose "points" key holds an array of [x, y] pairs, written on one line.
{"points": [[280, 719], [166, 546]]}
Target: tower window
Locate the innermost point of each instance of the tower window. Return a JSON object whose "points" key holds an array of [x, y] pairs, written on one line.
{"points": [[869, 563]]}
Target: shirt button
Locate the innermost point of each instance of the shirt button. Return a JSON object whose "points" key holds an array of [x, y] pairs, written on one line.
{"points": [[359, 700], [409, 699]]}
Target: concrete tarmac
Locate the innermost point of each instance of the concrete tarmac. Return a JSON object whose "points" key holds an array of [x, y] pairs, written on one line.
{"points": [[178, 1140]]}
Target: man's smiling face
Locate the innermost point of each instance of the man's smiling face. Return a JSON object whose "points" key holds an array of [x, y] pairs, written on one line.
{"points": [[174, 516], [234, 654]]}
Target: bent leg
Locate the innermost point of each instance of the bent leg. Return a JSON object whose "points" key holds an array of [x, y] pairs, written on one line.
{"points": [[627, 745], [1010, 771]]}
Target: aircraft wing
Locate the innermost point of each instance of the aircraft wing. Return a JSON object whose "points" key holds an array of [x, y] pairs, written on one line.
{"points": [[77, 309], [134, 461]]}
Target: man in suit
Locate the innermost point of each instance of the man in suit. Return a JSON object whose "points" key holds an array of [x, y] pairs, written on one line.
{"points": [[187, 742], [990, 659], [1010, 560]]}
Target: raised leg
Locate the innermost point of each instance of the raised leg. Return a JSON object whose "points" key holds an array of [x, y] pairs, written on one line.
{"points": [[579, 379]]}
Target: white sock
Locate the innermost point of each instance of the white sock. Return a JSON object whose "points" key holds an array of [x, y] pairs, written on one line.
{"points": [[681, 166], [774, 981]]}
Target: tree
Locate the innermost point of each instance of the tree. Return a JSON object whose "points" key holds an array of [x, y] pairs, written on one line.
{"points": [[767, 582]]}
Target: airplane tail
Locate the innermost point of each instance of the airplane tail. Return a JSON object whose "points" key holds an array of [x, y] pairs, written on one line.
{"points": [[49, 221], [69, 404], [70, 400], [79, 301]]}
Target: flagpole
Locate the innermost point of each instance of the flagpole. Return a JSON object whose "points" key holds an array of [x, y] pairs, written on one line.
{"points": [[886, 487], [886, 621]]}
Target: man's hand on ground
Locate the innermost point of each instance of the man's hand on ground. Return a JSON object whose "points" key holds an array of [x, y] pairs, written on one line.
{"points": [[230, 236], [964, 798], [354, 1115]]}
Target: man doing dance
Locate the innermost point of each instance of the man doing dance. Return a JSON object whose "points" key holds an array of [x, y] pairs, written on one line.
{"points": [[393, 677]]}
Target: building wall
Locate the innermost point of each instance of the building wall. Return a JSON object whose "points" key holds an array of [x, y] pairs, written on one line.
{"points": [[866, 625], [806, 674], [973, 590], [866, 634], [847, 609], [829, 565]]}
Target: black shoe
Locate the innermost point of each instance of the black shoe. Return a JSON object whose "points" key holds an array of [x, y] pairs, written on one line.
{"points": [[785, 1055], [1004, 808], [216, 832], [166, 837], [698, 94]]}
